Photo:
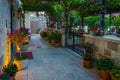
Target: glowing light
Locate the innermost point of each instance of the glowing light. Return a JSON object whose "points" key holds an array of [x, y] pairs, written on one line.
{"points": [[7, 54], [18, 64]]}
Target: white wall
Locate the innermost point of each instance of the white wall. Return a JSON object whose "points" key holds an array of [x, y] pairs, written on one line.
{"points": [[27, 21], [4, 21], [38, 23]]}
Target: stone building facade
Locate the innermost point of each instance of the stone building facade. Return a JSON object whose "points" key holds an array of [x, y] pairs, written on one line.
{"points": [[107, 46]]}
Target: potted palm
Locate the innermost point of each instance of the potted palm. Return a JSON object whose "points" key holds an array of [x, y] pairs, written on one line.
{"points": [[104, 66], [87, 57], [115, 73]]}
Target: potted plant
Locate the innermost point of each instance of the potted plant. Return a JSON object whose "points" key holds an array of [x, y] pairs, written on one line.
{"points": [[19, 36], [87, 57], [50, 36], [115, 73], [21, 61], [10, 69], [24, 46], [104, 66], [4, 76], [43, 34], [57, 38]]}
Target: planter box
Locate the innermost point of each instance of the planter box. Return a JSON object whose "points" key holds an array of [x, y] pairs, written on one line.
{"points": [[105, 75], [87, 63], [56, 44]]}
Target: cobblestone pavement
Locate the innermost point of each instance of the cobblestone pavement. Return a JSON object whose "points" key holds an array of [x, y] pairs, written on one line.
{"points": [[50, 63]]}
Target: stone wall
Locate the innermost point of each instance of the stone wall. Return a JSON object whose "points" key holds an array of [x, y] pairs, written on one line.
{"points": [[4, 22], [105, 48]]}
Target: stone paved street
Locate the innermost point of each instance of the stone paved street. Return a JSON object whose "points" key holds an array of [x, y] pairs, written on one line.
{"points": [[50, 63]]}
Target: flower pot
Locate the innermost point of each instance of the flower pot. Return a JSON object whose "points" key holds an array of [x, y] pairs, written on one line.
{"points": [[56, 44], [113, 77], [52, 42], [104, 74], [24, 47], [87, 63], [22, 64]]}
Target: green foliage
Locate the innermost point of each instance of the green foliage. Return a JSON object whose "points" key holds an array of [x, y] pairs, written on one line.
{"points": [[74, 17], [92, 9], [10, 69], [43, 34], [88, 47], [5, 77], [112, 4], [92, 20], [57, 36], [21, 57], [116, 21], [104, 64], [116, 72], [25, 43]]}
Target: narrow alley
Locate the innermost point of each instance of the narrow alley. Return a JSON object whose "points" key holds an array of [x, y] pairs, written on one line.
{"points": [[50, 63]]}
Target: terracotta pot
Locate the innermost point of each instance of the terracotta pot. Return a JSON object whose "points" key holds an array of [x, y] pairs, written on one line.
{"points": [[52, 42], [87, 63], [105, 74], [56, 44], [113, 77]]}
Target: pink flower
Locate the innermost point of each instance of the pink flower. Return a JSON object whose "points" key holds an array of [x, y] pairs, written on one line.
{"points": [[11, 78], [2, 74]]}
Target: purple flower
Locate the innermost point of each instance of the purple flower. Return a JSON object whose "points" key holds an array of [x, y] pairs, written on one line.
{"points": [[11, 78]]}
